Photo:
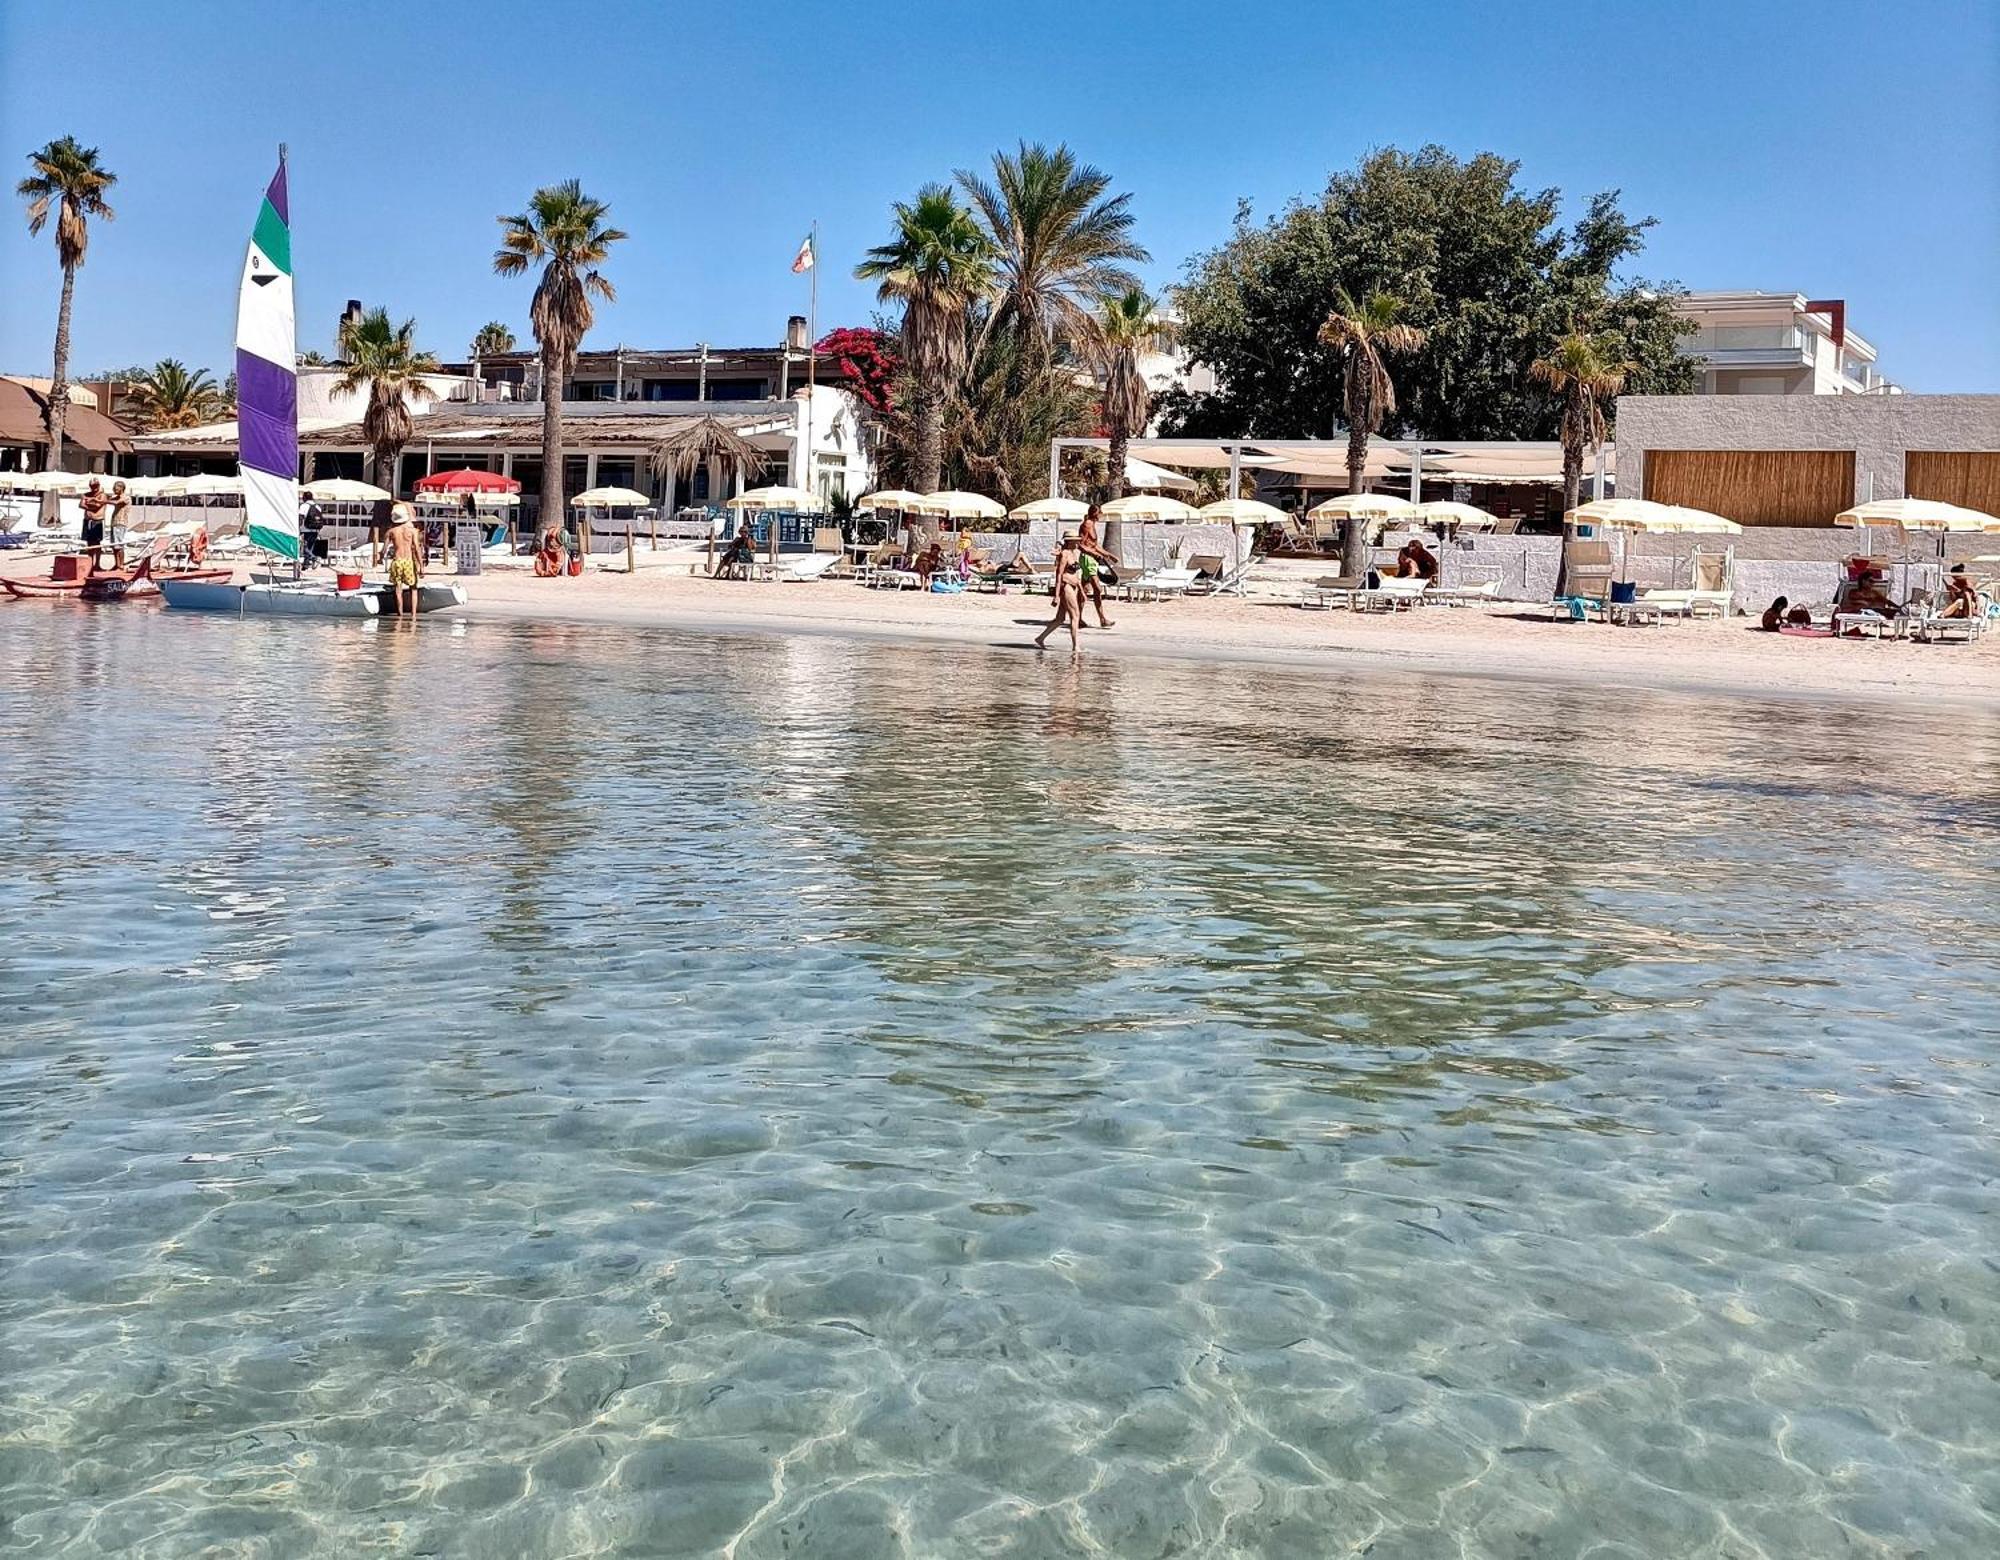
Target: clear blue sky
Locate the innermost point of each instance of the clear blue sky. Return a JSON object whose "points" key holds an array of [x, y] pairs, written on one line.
{"points": [[1845, 150]]}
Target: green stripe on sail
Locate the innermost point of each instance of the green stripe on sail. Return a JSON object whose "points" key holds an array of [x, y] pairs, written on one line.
{"points": [[274, 238], [284, 543]]}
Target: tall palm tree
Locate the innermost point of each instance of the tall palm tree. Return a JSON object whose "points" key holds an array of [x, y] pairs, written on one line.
{"points": [[1363, 333], [1126, 326], [70, 182], [383, 359], [1584, 372], [564, 231], [1061, 245], [492, 339], [170, 395], [937, 267]]}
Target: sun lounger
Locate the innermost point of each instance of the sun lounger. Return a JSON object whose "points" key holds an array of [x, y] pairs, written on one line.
{"points": [[1466, 595], [1160, 583], [803, 566], [1862, 624], [1224, 579], [1332, 590], [1393, 595]]}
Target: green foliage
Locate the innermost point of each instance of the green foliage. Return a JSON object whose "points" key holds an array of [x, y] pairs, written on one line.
{"points": [[170, 395], [1480, 267]]}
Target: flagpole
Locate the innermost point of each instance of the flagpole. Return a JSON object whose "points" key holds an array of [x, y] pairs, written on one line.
{"points": [[812, 348]]}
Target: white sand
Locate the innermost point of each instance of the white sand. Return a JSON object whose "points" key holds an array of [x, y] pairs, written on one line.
{"points": [[1514, 642]]}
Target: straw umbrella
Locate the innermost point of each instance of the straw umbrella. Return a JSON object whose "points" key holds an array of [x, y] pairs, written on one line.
{"points": [[692, 446]]}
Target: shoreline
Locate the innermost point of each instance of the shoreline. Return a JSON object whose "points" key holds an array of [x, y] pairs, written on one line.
{"points": [[1511, 644]]}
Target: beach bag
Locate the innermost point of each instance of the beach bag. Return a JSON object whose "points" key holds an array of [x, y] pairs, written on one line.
{"points": [[575, 567], [944, 587]]}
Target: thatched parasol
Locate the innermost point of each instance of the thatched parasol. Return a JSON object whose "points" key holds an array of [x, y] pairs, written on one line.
{"points": [[690, 447]]}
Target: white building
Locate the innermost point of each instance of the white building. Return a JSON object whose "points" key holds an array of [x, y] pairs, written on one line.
{"points": [[1762, 343]]}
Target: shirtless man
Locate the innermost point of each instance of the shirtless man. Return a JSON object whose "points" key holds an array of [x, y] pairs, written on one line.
{"points": [[405, 546], [94, 505], [1961, 594], [1091, 565], [117, 517]]}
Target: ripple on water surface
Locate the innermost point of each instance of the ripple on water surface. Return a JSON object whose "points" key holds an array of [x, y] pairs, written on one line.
{"points": [[545, 1091]]}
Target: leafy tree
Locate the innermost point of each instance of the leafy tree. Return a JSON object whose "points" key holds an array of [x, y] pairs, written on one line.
{"points": [[1483, 268], [69, 183], [170, 395], [564, 231], [1126, 326], [1361, 334], [312, 357], [937, 267], [383, 359], [1584, 372], [1060, 244], [864, 363], [997, 440], [492, 339]]}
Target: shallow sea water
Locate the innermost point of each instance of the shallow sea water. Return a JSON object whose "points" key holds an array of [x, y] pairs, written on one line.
{"points": [[528, 1090]]}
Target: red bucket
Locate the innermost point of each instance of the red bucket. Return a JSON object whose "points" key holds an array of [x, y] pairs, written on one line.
{"points": [[347, 581]]}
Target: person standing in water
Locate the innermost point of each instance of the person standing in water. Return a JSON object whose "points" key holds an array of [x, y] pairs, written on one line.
{"points": [[405, 545], [1067, 589]]}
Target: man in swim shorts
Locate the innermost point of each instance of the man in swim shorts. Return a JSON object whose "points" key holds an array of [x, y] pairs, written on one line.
{"points": [[405, 544]]}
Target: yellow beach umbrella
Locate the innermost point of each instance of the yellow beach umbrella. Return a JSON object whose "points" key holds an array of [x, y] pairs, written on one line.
{"points": [[1147, 506], [790, 500], [1641, 514], [1361, 506], [1243, 511], [611, 498]]}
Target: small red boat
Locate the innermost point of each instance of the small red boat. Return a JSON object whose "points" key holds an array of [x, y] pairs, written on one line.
{"points": [[105, 584]]}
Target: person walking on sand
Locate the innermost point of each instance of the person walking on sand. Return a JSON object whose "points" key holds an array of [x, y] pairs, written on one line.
{"points": [[405, 544], [1067, 589], [1092, 560]]}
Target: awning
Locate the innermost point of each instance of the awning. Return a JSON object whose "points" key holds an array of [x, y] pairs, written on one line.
{"points": [[24, 420]]}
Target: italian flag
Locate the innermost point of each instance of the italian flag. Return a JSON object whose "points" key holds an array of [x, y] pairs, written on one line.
{"points": [[803, 260]]}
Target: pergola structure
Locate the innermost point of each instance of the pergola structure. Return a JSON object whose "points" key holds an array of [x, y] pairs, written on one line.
{"points": [[1464, 460]]}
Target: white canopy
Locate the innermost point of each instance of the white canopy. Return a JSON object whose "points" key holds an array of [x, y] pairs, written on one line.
{"points": [[202, 487], [611, 498], [1144, 474]]}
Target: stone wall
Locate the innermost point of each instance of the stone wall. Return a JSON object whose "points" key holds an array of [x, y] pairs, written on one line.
{"points": [[1878, 428]]}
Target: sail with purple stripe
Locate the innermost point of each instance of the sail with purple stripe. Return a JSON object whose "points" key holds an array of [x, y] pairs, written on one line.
{"points": [[267, 394]]}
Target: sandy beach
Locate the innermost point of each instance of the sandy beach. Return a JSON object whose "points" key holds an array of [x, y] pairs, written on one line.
{"points": [[1516, 641]]}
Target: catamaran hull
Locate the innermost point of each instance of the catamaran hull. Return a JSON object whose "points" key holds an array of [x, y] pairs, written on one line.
{"points": [[430, 598], [270, 600]]}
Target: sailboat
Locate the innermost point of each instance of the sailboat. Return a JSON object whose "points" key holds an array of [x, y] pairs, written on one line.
{"points": [[267, 442]]}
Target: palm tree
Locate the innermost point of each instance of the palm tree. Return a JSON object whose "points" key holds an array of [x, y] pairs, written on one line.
{"points": [[1126, 326], [937, 267], [69, 181], [564, 231], [170, 395], [1585, 371], [1060, 244], [492, 339], [1363, 333], [383, 358]]}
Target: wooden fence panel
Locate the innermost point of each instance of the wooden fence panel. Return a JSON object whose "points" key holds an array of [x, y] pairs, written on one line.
{"points": [[1755, 487], [1967, 477]]}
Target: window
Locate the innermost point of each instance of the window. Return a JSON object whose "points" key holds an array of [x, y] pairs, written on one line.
{"points": [[617, 471], [528, 472], [576, 470], [670, 390], [590, 390], [739, 389]]}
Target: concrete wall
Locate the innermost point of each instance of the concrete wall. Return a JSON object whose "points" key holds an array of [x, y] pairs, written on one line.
{"points": [[1878, 428]]}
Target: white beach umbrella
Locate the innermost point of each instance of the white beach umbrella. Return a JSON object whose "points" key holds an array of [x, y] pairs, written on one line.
{"points": [[1917, 514], [785, 500], [202, 486], [1361, 506], [343, 490], [1144, 474], [1240, 512], [1467, 517], [611, 498], [888, 498], [954, 504], [1065, 509], [1145, 508], [49, 481]]}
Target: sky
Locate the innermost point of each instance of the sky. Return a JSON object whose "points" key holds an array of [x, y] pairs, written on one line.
{"points": [[1836, 149]]}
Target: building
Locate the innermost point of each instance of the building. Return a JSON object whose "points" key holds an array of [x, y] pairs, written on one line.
{"points": [[91, 440], [1761, 343], [618, 406], [1800, 460]]}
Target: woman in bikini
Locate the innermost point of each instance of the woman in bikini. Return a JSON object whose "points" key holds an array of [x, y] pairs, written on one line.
{"points": [[1067, 589]]}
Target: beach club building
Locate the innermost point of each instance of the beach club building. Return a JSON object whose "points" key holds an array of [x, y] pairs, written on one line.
{"points": [[618, 408]]}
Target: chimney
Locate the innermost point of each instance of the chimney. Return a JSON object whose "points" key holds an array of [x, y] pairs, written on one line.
{"points": [[353, 311], [795, 334]]}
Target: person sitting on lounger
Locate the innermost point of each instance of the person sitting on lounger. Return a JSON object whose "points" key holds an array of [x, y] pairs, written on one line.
{"points": [[737, 557], [1870, 594], [927, 563], [551, 558], [1416, 562], [1961, 595]]}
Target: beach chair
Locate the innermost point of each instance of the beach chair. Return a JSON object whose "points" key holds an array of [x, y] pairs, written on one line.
{"points": [[1333, 590], [1158, 584], [1587, 569], [1224, 580], [1393, 595], [1710, 592], [1922, 620], [1472, 595]]}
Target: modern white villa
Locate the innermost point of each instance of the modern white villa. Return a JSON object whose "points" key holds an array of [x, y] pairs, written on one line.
{"points": [[617, 408], [1764, 343]]}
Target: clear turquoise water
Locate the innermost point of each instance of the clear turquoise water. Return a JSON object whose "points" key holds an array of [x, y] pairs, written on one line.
{"points": [[535, 1091]]}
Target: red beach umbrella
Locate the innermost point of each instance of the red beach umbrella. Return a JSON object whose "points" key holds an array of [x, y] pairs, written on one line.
{"points": [[467, 482]]}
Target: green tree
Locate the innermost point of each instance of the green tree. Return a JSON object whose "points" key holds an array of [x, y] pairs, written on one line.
{"points": [[1060, 245], [1361, 334], [1585, 372], [1483, 268], [382, 359], [170, 395], [492, 339], [564, 231], [69, 183], [1126, 326], [937, 267]]}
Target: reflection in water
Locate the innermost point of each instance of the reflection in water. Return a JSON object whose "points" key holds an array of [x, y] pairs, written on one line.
{"points": [[555, 1091]]}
